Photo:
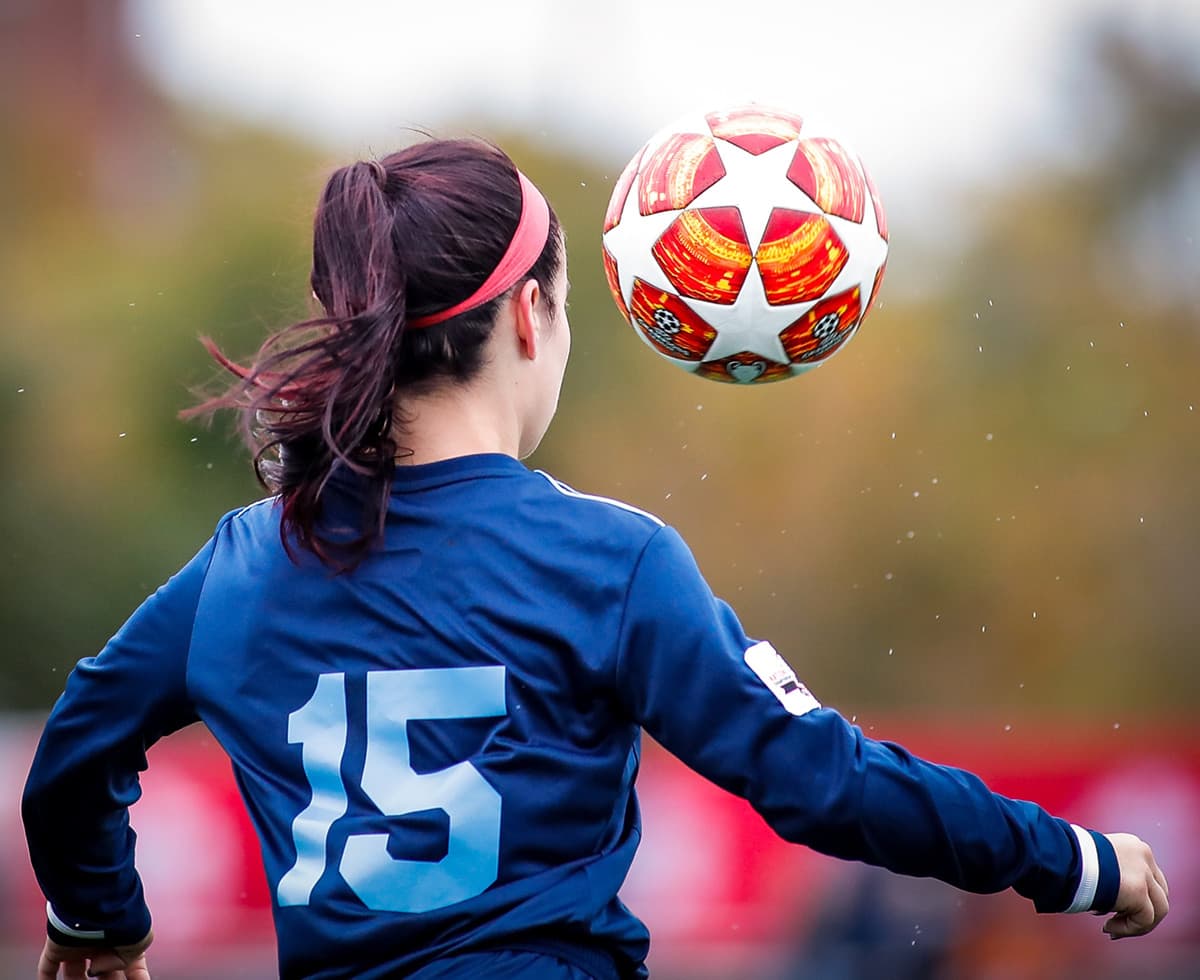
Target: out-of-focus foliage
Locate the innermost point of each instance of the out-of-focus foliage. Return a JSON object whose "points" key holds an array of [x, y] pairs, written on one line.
{"points": [[986, 503]]}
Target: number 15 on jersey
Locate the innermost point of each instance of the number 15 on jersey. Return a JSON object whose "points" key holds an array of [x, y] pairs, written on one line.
{"points": [[395, 697]]}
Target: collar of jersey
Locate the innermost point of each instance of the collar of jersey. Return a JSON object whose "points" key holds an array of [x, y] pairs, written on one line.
{"points": [[421, 476]]}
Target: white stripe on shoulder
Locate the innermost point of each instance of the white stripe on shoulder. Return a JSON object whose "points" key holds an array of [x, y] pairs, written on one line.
{"points": [[566, 491], [257, 503]]}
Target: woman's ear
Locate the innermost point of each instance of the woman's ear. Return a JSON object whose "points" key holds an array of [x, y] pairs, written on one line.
{"points": [[526, 312]]}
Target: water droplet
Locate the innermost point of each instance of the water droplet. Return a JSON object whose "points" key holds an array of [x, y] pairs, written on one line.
{"points": [[208, 466], [194, 439], [667, 497], [699, 408], [981, 348], [1021, 686], [893, 435], [888, 576], [1035, 614], [891, 650], [989, 437], [1141, 520], [120, 435], [1116, 725], [910, 534], [934, 480], [990, 303], [20, 391], [983, 629], [976, 316], [1008, 728], [703, 476]]}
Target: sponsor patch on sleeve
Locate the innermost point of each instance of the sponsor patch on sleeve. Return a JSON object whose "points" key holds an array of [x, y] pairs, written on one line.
{"points": [[773, 671]]}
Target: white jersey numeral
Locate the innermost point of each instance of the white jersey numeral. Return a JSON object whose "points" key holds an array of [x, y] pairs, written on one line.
{"points": [[471, 804]]}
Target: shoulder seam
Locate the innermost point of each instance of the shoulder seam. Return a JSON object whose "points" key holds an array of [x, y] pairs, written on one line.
{"points": [[625, 608], [265, 500], [567, 491]]}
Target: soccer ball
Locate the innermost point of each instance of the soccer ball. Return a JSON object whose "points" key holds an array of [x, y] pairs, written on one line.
{"points": [[745, 245]]}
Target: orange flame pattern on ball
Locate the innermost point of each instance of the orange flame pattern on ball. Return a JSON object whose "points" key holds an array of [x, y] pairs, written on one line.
{"points": [[616, 203], [755, 129], [705, 254], [669, 324], [800, 256], [614, 283], [685, 165], [877, 202], [825, 172], [823, 329], [743, 369], [875, 288]]}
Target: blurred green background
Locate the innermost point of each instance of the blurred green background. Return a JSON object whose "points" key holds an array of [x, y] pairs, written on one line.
{"points": [[977, 524], [985, 506]]}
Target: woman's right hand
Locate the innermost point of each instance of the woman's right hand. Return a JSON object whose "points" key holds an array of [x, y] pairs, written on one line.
{"points": [[1142, 898]]}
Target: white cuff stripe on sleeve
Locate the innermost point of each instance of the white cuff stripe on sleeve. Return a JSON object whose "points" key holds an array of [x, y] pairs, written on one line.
{"points": [[67, 930], [1089, 875]]}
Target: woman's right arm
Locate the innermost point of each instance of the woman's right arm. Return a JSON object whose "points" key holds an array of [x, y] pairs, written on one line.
{"points": [[733, 710]]}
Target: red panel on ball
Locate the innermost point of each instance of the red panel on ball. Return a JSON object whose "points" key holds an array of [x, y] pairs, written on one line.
{"points": [[875, 288], [744, 368], [616, 203], [823, 329], [614, 283], [705, 254], [828, 174], [686, 165], [800, 256], [753, 128], [877, 201], [670, 325]]}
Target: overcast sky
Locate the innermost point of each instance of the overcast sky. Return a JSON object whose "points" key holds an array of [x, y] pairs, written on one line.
{"points": [[925, 90]]}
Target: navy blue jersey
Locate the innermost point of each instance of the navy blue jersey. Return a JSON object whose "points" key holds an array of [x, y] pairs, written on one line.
{"points": [[438, 749]]}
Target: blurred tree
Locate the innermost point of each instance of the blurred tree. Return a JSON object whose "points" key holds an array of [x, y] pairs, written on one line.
{"points": [[984, 504]]}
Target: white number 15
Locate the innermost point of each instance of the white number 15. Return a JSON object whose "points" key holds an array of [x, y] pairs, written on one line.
{"points": [[395, 697]]}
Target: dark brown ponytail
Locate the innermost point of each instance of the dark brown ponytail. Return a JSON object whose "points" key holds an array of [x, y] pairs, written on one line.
{"points": [[400, 237]]}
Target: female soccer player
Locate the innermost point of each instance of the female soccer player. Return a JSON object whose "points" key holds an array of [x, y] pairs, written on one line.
{"points": [[431, 666]]}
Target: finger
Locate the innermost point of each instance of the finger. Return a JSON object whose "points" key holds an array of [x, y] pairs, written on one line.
{"points": [[137, 970], [47, 967], [105, 961], [1158, 898], [1119, 927], [1162, 880], [1133, 921], [74, 969]]}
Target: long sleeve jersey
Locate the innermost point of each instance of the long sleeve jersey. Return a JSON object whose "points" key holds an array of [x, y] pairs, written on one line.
{"points": [[438, 749]]}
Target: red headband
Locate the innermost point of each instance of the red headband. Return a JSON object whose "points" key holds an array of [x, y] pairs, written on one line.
{"points": [[527, 243]]}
